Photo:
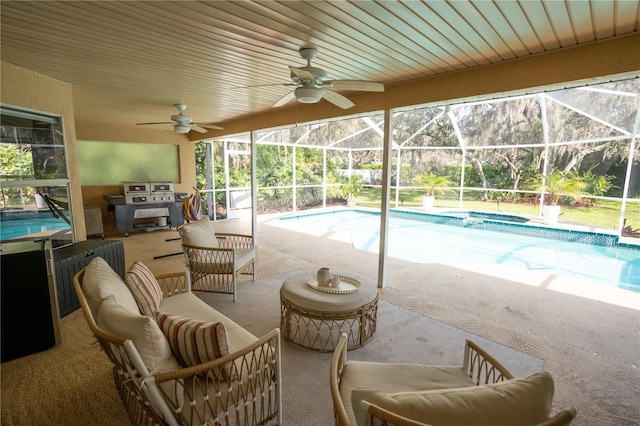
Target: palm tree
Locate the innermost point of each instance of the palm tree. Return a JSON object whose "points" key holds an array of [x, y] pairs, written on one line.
{"points": [[555, 186], [433, 183], [352, 188], [562, 184]]}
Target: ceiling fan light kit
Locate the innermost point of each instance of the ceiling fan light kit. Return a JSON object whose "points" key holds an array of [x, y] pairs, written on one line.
{"points": [[308, 95], [182, 128]]}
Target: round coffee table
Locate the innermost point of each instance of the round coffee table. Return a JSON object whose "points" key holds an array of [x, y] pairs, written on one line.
{"points": [[315, 320]]}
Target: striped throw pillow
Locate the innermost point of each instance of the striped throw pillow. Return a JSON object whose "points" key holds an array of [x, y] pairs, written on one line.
{"points": [[145, 288], [193, 341]]}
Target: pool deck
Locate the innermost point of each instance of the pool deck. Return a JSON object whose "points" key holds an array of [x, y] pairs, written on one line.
{"points": [[562, 284]]}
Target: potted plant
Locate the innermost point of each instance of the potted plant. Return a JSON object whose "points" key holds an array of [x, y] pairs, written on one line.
{"points": [[432, 183], [557, 185], [352, 188]]}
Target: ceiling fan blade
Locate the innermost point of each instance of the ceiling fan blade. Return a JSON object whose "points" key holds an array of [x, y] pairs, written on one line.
{"points": [[357, 85], [303, 75], [264, 85], [210, 126], [337, 99], [197, 128], [161, 122], [285, 99]]}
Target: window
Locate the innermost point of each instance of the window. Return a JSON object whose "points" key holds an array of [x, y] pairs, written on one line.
{"points": [[33, 176]]}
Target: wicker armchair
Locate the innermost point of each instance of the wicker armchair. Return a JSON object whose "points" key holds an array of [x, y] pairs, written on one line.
{"points": [[349, 380], [249, 393], [216, 260]]}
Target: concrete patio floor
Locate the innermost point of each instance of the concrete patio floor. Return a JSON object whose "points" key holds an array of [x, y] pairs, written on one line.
{"points": [[587, 336]]}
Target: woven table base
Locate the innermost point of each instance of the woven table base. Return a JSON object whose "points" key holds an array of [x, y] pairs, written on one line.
{"points": [[320, 331]]}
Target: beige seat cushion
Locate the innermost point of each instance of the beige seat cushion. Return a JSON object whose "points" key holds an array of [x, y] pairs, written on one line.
{"points": [[243, 257], [207, 264], [100, 282], [143, 331], [393, 378], [190, 306], [199, 233], [521, 401]]}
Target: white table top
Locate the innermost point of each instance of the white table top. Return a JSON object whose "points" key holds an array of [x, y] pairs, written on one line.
{"points": [[296, 290]]}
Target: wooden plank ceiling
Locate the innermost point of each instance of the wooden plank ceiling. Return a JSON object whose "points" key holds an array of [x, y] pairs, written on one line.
{"points": [[131, 61]]}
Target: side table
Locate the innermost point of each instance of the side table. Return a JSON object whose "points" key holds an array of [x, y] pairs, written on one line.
{"points": [[315, 320]]}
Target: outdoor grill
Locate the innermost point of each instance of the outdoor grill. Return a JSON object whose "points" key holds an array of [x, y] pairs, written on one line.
{"points": [[145, 205], [147, 192], [161, 192]]}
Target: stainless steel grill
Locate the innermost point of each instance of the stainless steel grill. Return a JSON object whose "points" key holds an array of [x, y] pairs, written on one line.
{"points": [[147, 192], [161, 192]]}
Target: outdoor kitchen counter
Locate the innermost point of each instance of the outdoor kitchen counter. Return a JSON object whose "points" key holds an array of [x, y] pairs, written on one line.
{"points": [[127, 214]]}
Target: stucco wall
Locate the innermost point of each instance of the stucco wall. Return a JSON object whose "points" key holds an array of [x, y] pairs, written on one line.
{"points": [[25, 89], [93, 195]]}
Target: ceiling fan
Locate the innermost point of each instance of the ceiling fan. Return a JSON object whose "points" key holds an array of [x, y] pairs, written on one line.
{"points": [[313, 84], [182, 123]]}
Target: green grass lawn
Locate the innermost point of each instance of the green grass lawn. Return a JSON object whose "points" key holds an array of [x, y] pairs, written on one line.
{"points": [[605, 214]]}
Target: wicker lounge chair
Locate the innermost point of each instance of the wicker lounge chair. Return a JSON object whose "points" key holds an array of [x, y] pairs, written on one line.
{"points": [[240, 388], [480, 392], [216, 260]]}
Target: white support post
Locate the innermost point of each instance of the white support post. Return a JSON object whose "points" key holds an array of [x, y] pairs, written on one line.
{"points": [[627, 178], [254, 197], [545, 137], [324, 177], [384, 208], [398, 175], [294, 189], [210, 167], [227, 196], [463, 147]]}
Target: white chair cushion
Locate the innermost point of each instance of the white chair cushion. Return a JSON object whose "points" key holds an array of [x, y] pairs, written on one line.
{"points": [[143, 331], [243, 257], [199, 233], [517, 402], [145, 288], [398, 377], [100, 282]]}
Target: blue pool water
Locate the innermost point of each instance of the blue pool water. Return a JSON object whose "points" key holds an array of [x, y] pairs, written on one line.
{"points": [[21, 224], [459, 238]]}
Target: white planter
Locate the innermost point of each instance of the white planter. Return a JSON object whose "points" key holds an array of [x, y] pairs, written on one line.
{"points": [[351, 201], [40, 202], [550, 214], [428, 202]]}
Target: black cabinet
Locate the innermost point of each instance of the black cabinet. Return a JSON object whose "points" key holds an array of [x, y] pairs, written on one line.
{"points": [[28, 299], [69, 260]]}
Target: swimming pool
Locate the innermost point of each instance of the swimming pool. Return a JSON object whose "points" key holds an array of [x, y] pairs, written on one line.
{"points": [[459, 238], [15, 224]]}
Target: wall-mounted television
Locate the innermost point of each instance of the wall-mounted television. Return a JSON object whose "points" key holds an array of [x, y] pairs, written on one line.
{"points": [[110, 163]]}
